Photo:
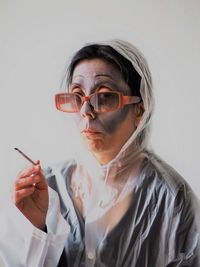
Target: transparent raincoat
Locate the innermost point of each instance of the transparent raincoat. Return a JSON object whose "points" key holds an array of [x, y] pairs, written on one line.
{"points": [[136, 211]]}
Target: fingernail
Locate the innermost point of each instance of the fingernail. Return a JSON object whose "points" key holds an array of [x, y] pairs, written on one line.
{"points": [[38, 162]]}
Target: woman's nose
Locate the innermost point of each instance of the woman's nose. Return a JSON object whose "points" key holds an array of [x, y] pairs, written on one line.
{"points": [[87, 111]]}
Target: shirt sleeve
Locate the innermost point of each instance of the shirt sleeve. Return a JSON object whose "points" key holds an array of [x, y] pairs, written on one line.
{"points": [[22, 244]]}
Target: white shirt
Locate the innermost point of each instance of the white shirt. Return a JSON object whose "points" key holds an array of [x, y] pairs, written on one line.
{"points": [[31, 247]]}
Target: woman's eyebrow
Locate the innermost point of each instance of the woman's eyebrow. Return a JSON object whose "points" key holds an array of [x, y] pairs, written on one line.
{"points": [[105, 75], [81, 77]]}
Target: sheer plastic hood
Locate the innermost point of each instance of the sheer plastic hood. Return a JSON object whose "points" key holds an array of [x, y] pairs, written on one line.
{"points": [[139, 63], [138, 141]]}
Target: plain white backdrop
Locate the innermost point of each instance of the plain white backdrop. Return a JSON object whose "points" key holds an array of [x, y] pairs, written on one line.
{"points": [[38, 37]]}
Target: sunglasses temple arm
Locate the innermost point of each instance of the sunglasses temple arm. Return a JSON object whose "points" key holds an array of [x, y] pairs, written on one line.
{"points": [[131, 100]]}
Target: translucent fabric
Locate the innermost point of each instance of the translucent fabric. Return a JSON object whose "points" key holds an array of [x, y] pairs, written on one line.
{"points": [[150, 220], [134, 211]]}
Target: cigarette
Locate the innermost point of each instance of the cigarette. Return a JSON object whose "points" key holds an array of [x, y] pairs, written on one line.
{"points": [[25, 156]]}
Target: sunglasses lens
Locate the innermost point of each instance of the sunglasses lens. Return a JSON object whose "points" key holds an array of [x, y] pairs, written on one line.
{"points": [[105, 102], [68, 102]]}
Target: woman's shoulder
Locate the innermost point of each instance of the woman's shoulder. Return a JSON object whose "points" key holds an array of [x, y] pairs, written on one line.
{"points": [[58, 175], [163, 182], [60, 168], [166, 176]]}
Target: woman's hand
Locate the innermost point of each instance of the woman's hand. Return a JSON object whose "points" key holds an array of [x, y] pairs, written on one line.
{"points": [[30, 195]]}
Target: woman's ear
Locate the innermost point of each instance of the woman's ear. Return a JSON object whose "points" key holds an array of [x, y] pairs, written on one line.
{"points": [[139, 110]]}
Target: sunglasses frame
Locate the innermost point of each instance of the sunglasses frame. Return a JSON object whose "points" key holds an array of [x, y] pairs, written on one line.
{"points": [[123, 100]]}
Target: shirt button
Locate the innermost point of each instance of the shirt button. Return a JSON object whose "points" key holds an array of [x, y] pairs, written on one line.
{"points": [[91, 255]]}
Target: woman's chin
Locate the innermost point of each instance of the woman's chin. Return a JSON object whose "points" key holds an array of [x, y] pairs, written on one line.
{"points": [[94, 146]]}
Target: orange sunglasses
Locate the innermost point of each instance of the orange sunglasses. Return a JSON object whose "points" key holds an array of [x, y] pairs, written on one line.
{"points": [[100, 101]]}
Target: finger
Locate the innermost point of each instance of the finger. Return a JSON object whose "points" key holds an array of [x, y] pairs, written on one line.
{"points": [[23, 193], [33, 169], [27, 181], [42, 184]]}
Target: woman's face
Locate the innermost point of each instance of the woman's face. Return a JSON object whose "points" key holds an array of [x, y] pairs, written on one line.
{"points": [[103, 133]]}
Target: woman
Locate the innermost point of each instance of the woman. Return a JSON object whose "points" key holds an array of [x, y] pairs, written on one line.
{"points": [[120, 205]]}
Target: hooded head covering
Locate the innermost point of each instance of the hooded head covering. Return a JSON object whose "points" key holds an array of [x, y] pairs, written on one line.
{"points": [[140, 136], [130, 153], [140, 64]]}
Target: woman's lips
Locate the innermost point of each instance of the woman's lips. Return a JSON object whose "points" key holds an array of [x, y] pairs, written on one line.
{"points": [[90, 133]]}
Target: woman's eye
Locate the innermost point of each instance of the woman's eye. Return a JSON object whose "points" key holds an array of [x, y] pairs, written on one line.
{"points": [[77, 91]]}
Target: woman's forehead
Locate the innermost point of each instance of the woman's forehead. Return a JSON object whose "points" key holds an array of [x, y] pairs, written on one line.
{"points": [[96, 68], [89, 73]]}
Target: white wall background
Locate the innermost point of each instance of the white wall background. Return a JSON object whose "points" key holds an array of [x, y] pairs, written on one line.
{"points": [[36, 39]]}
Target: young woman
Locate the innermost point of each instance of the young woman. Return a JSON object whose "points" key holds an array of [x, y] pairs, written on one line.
{"points": [[120, 205]]}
